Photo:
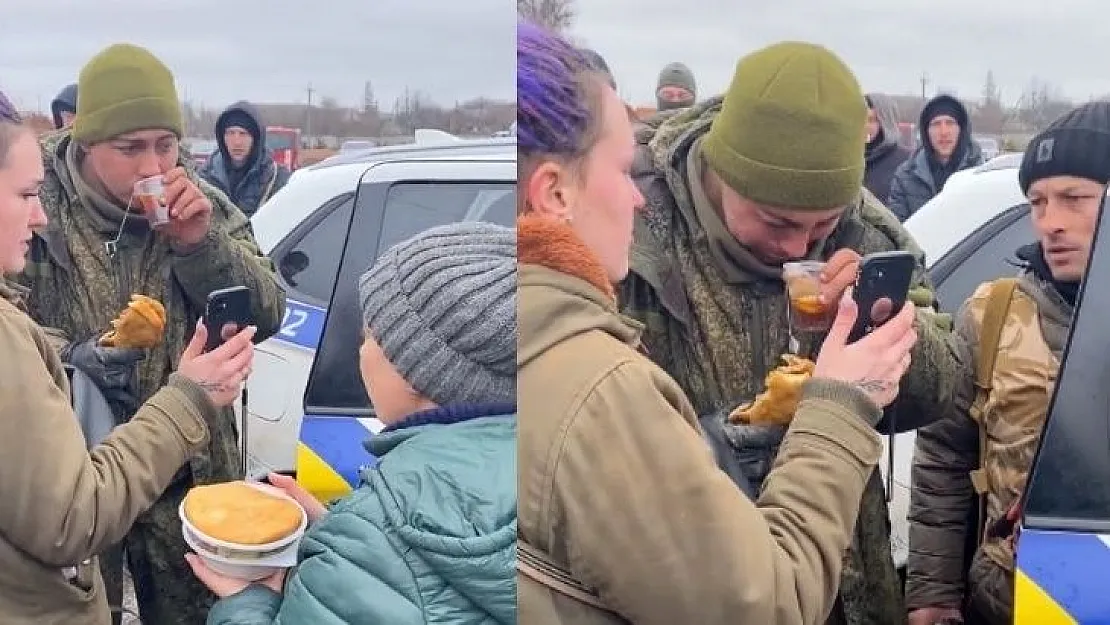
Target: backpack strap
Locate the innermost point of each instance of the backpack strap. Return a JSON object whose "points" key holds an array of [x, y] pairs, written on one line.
{"points": [[537, 566], [990, 334]]}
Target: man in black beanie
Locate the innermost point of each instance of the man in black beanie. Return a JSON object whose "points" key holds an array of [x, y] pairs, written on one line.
{"points": [[946, 148], [1064, 174], [243, 167]]}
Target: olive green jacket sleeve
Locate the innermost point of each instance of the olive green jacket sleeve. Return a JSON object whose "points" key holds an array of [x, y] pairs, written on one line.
{"points": [[63, 504], [666, 538]]}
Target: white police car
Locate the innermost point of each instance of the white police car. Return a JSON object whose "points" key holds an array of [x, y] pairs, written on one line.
{"points": [[309, 412]]}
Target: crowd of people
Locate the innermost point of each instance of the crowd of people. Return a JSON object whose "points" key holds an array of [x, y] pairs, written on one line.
{"points": [[652, 306], [426, 534], [638, 304]]}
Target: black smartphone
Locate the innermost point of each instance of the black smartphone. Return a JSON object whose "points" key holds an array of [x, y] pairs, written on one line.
{"points": [[882, 276], [230, 306]]}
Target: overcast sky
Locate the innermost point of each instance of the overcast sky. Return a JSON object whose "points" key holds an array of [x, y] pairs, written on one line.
{"points": [[888, 44], [270, 50]]}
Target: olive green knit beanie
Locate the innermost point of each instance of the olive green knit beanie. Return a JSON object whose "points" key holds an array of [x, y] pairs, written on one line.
{"points": [[122, 89], [676, 75], [790, 129]]}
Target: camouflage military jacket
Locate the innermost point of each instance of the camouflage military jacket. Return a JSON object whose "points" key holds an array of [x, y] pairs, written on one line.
{"points": [[718, 338], [77, 287]]}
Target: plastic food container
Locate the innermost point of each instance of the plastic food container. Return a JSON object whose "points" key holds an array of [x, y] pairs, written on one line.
{"points": [[246, 562]]}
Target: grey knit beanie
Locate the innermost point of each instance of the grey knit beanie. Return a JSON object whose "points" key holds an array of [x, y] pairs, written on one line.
{"points": [[442, 305]]}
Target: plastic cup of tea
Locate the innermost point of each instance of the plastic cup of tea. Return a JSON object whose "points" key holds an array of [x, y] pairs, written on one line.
{"points": [[803, 290], [150, 194]]}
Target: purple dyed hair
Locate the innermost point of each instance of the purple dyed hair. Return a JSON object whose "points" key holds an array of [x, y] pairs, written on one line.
{"points": [[553, 91]]}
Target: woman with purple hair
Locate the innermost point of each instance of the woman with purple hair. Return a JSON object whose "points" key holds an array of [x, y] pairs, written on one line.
{"points": [[624, 516]]}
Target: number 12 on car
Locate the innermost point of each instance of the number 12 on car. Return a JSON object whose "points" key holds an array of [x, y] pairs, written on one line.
{"points": [[302, 324]]}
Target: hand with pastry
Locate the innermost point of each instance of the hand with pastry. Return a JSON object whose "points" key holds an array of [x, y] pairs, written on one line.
{"points": [[140, 325], [776, 405]]}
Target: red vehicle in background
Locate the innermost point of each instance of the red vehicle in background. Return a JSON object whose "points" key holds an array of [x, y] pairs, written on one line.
{"points": [[285, 143], [908, 137]]}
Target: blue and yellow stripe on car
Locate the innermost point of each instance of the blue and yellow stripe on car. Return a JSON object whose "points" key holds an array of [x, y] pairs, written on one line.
{"points": [[1061, 578], [330, 454]]}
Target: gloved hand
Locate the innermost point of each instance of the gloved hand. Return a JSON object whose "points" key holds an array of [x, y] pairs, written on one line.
{"points": [[111, 368]]}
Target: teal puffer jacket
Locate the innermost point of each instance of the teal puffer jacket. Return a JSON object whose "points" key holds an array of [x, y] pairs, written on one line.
{"points": [[429, 536]]}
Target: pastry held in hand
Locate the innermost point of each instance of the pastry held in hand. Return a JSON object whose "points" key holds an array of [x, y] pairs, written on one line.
{"points": [[140, 325], [777, 404], [242, 514]]}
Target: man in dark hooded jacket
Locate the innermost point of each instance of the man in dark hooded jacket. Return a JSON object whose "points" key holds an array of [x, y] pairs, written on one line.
{"points": [[946, 148], [883, 152], [243, 167], [64, 107]]}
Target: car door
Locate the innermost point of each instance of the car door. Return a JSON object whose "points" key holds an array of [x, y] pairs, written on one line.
{"points": [[307, 261], [1063, 549], [395, 202]]}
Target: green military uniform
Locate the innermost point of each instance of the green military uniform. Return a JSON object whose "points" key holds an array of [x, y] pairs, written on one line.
{"points": [[715, 316], [77, 287]]}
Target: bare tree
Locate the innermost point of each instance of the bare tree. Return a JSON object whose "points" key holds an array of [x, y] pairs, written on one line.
{"points": [[1040, 103], [558, 15], [990, 114]]}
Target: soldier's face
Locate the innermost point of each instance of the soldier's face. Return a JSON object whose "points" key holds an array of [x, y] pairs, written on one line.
{"points": [[1065, 211], [21, 174], [774, 235], [674, 94], [67, 118], [122, 161]]}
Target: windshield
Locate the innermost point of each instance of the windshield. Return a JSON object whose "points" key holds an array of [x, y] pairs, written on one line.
{"points": [[279, 140]]}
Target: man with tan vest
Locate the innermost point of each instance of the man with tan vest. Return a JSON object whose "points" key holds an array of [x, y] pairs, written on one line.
{"points": [[1009, 336]]}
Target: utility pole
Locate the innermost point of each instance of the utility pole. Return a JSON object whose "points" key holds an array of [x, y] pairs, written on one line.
{"points": [[924, 83], [308, 113]]}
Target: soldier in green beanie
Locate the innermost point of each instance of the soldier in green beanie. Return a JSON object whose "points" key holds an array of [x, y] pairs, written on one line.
{"points": [[100, 248], [676, 87], [734, 188]]}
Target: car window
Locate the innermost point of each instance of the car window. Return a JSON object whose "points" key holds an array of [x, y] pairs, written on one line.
{"points": [[985, 255], [1067, 489], [411, 208], [394, 213], [309, 259]]}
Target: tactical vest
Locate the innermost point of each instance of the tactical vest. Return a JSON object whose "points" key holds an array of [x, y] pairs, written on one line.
{"points": [[1013, 415]]}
